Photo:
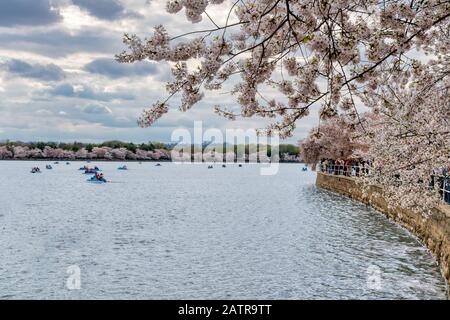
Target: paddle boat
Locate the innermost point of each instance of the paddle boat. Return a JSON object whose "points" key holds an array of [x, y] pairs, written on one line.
{"points": [[304, 169], [122, 168], [210, 167], [35, 170], [224, 166], [158, 165], [56, 162], [90, 171], [67, 163], [84, 168], [48, 167], [240, 166], [97, 178]]}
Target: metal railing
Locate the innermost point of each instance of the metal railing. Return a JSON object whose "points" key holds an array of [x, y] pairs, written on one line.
{"points": [[441, 181]]}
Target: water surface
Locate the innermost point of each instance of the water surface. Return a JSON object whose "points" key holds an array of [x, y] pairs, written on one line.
{"points": [[186, 232]]}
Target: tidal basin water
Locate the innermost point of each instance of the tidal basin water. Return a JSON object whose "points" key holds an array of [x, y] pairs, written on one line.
{"points": [[188, 232]]}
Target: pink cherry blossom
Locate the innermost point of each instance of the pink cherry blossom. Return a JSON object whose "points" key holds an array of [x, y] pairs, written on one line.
{"points": [[339, 57]]}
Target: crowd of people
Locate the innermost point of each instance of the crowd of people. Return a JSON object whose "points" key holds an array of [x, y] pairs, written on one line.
{"points": [[439, 178], [350, 168]]}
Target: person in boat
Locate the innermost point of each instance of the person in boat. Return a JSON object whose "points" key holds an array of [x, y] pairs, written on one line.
{"points": [[100, 177]]}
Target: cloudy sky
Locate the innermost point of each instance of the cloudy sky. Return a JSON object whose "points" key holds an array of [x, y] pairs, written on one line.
{"points": [[59, 80]]}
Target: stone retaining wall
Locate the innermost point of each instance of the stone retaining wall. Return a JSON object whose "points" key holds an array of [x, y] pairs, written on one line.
{"points": [[433, 231]]}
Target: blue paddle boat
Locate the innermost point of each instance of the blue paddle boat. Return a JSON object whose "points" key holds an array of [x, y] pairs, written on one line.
{"points": [[97, 179]]}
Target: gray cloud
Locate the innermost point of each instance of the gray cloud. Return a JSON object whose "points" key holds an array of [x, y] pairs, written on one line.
{"points": [[67, 90], [27, 12], [104, 9], [96, 109], [60, 43], [113, 69], [80, 102], [48, 72], [102, 114]]}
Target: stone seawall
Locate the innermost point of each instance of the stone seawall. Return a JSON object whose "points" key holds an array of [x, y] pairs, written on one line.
{"points": [[434, 231]]}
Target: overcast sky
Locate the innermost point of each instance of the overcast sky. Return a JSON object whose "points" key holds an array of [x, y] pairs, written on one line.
{"points": [[59, 80]]}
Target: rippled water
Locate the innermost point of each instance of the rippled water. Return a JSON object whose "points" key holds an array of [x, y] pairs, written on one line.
{"points": [[183, 231]]}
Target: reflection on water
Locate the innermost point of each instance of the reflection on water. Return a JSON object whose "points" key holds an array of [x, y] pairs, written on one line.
{"points": [[183, 231]]}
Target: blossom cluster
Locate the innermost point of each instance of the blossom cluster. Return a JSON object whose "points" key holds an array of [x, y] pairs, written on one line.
{"points": [[335, 55], [346, 44]]}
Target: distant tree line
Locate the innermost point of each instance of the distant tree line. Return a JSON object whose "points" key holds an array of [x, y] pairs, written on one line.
{"points": [[119, 150], [76, 146]]}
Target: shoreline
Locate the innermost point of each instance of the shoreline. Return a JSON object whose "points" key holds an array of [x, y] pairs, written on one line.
{"points": [[433, 232], [133, 160]]}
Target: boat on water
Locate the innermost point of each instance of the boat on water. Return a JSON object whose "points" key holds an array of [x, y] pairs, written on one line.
{"points": [[122, 168], [304, 169], [224, 166], [240, 166], [48, 167], [67, 163], [56, 162], [210, 167], [158, 165], [97, 179], [36, 170], [90, 171]]}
